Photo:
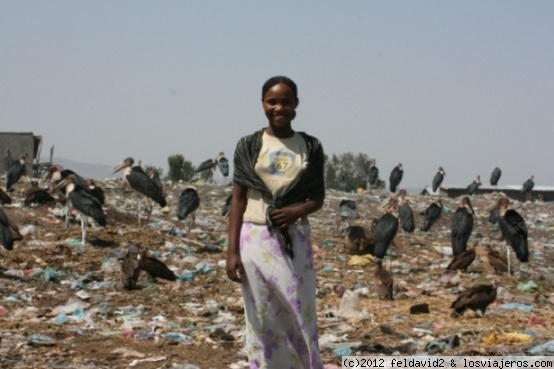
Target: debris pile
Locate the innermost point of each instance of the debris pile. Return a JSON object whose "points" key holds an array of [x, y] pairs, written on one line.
{"points": [[64, 304]]}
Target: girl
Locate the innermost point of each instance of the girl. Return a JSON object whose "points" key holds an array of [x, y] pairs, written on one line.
{"points": [[278, 182]]}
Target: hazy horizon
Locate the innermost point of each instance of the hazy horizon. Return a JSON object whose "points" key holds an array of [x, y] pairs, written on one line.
{"points": [[464, 85]]}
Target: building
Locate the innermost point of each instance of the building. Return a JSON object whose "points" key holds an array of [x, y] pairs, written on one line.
{"points": [[21, 143]]}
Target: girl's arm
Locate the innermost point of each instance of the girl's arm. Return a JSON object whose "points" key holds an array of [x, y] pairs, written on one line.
{"points": [[238, 206]]}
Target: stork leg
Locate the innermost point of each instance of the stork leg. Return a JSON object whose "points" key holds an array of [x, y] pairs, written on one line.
{"points": [[67, 213], [149, 207], [508, 260], [83, 230], [138, 211]]}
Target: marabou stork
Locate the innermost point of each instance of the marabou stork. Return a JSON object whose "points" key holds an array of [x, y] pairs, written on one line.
{"points": [[495, 176], [405, 213], [141, 183], [157, 180], [189, 201], [437, 179], [347, 211], [432, 214], [55, 175], [395, 177], [462, 225], [384, 282], [9, 231], [84, 202], [373, 176], [494, 213], [223, 165], [4, 198], [527, 188], [385, 230], [96, 191], [226, 208], [514, 231], [16, 171], [220, 161], [476, 298], [473, 186]]}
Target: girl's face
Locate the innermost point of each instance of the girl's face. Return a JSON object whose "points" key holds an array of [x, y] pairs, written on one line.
{"points": [[280, 104]]}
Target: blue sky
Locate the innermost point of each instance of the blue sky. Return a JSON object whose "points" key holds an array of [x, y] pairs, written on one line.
{"points": [[468, 85]]}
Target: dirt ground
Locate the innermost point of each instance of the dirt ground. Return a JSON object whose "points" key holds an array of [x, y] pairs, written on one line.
{"points": [[104, 341]]}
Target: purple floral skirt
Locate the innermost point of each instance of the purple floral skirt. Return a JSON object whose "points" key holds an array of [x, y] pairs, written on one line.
{"points": [[279, 299]]}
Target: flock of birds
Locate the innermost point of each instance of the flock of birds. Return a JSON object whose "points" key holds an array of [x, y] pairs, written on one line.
{"points": [[376, 238], [88, 199], [398, 172]]}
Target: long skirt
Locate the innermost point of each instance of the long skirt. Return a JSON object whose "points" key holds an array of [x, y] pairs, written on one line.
{"points": [[279, 299]]}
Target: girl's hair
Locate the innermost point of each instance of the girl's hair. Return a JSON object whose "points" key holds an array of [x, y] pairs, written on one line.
{"points": [[279, 79]]}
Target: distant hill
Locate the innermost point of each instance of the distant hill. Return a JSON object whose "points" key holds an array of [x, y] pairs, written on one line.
{"points": [[86, 170]]}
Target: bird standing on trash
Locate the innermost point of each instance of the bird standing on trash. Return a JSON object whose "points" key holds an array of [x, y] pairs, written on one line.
{"points": [[462, 226], [9, 231], [141, 183], [16, 171], [130, 269], [226, 206], [514, 231], [385, 230], [497, 261], [474, 186], [373, 175], [462, 261], [405, 213], [154, 267], [37, 195], [395, 177], [384, 282], [527, 188], [438, 178], [495, 176], [360, 239], [432, 214], [84, 202], [189, 201], [476, 298], [4, 198], [220, 161]]}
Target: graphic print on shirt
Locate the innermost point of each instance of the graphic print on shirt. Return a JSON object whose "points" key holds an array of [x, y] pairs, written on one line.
{"points": [[280, 163]]}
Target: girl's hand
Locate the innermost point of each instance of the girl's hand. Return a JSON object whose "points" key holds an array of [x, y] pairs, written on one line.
{"points": [[286, 216], [234, 267]]}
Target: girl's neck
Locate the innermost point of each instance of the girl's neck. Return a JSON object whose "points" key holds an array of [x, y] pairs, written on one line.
{"points": [[280, 133]]}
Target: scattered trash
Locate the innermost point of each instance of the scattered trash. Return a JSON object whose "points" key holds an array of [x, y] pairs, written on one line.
{"points": [[507, 338], [546, 348], [61, 293], [516, 305], [529, 286]]}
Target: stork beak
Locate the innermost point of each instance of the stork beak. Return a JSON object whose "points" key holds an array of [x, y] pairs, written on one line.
{"points": [[118, 167], [59, 185], [471, 208]]}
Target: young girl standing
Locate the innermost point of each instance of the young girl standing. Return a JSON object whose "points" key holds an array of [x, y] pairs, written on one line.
{"points": [[278, 182]]}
